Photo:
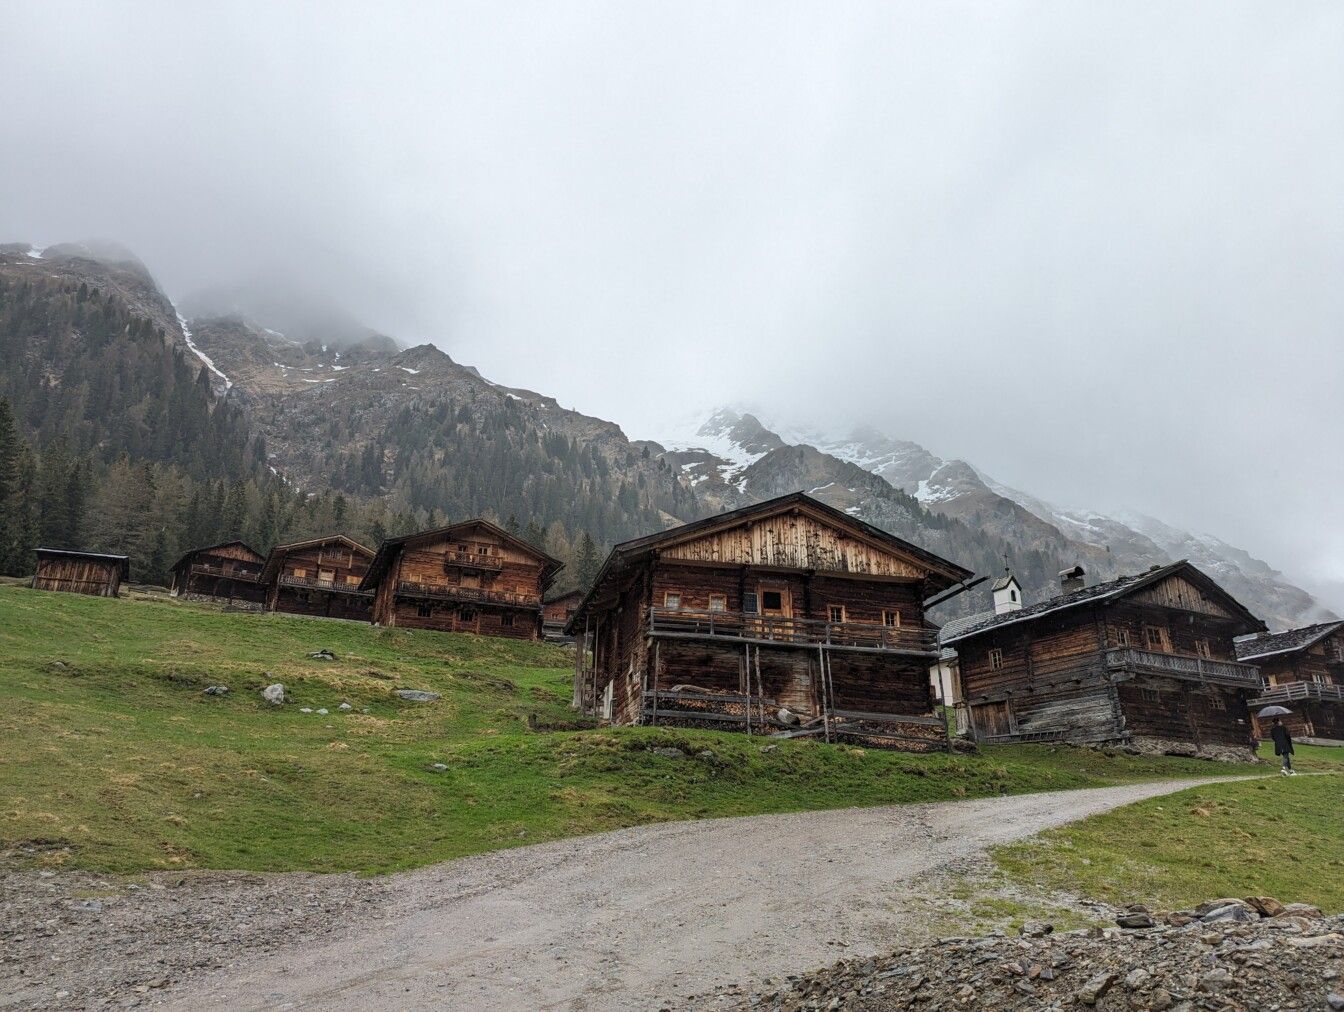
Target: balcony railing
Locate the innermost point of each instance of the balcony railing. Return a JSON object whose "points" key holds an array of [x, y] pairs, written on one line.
{"points": [[1297, 691], [437, 592], [791, 631], [473, 560], [204, 569], [333, 586], [1200, 669]]}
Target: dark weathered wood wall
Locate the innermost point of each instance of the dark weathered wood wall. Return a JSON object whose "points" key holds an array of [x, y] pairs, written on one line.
{"points": [[97, 577]]}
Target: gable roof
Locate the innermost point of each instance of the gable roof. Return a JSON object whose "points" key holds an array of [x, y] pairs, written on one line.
{"points": [[1252, 648], [278, 553], [387, 551], [1003, 582], [210, 548], [123, 561], [1101, 593], [943, 573]]}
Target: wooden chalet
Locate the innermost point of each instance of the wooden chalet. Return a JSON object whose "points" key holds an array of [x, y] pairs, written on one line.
{"points": [[226, 572], [787, 617], [1304, 672], [468, 577], [556, 612], [80, 572], [1145, 659], [320, 577]]}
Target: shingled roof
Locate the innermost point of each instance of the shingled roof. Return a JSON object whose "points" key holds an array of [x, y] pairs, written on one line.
{"points": [[1265, 644], [1112, 589]]}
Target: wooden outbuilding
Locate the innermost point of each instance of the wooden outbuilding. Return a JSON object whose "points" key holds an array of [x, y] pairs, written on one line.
{"points": [[467, 577], [1304, 672], [1147, 660], [228, 572], [786, 617], [80, 572], [556, 612], [319, 577]]}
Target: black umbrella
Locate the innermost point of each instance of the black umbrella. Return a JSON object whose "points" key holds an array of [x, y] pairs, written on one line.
{"points": [[1274, 711]]}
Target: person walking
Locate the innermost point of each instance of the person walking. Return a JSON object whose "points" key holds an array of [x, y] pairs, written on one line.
{"points": [[1283, 746]]}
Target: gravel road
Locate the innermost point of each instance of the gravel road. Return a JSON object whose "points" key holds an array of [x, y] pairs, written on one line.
{"points": [[633, 919]]}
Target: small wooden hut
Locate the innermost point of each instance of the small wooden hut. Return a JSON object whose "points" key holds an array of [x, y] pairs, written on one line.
{"points": [[1304, 669], [319, 577], [467, 577], [228, 572], [80, 572]]}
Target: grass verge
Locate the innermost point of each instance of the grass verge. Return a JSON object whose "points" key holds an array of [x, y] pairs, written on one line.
{"points": [[1275, 836]]}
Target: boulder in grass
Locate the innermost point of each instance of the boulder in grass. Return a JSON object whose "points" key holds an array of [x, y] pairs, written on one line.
{"points": [[1136, 919], [322, 655], [416, 695], [216, 690], [274, 694]]}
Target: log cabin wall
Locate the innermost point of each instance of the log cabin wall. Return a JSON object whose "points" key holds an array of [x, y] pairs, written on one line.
{"points": [[1050, 682], [76, 575], [224, 572], [322, 581], [1178, 710], [1322, 664], [465, 580]]}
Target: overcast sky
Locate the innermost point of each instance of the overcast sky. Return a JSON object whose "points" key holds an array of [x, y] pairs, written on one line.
{"points": [[1096, 249]]}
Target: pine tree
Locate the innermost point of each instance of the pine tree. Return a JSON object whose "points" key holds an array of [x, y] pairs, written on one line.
{"points": [[586, 561]]}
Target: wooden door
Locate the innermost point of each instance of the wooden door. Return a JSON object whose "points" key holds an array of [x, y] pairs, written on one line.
{"points": [[992, 719]]}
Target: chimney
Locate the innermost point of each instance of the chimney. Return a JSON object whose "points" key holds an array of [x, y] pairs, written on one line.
{"points": [[1071, 580], [1007, 593]]}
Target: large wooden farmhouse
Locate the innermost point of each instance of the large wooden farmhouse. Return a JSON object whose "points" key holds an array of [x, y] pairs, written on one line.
{"points": [[469, 577], [788, 617], [227, 572], [320, 577], [556, 611], [1304, 669], [1145, 659], [80, 572]]}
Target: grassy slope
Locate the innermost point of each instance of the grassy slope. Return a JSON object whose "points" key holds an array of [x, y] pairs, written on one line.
{"points": [[1278, 836], [113, 759]]}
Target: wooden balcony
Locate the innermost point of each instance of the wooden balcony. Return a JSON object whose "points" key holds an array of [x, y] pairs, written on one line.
{"points": [[331, 586], [1196, 669], [481, 595], [473, 560], [204, 569], [1291, 692], [797, 632]]}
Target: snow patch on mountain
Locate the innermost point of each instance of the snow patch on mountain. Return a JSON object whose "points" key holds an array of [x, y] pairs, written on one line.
{"points": [[209, 364]]}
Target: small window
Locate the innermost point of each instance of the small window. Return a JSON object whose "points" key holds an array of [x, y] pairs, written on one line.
{"points": [[1150, 695], [718, 602], [671, 600], [1122, 637], [891, 619], [424, 610], [749, 606], [995, 659], [467, 615], [772, 600], [351, 578], [1217, 703], [1012, 594], [1155, 636], [836, 613], [300, 573], [1202, 648], [506, 620]]}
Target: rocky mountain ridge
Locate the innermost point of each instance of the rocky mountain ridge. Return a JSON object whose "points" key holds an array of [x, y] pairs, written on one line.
{"points": [[360, 416]]}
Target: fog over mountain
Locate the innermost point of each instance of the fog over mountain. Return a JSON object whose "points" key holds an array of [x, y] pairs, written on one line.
{"points": [[1095, 249]]}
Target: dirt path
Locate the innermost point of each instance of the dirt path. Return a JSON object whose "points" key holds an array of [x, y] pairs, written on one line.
{"points": [[637, 917]]}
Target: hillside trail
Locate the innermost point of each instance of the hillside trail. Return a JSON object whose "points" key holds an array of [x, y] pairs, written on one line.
{"points": [[641, 918]]}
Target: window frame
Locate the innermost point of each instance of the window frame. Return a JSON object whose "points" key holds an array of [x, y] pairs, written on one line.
{"points": [[1163, 638], [891, 618], [831, 609], [718, 602], [996, 658], [672, 600]]}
